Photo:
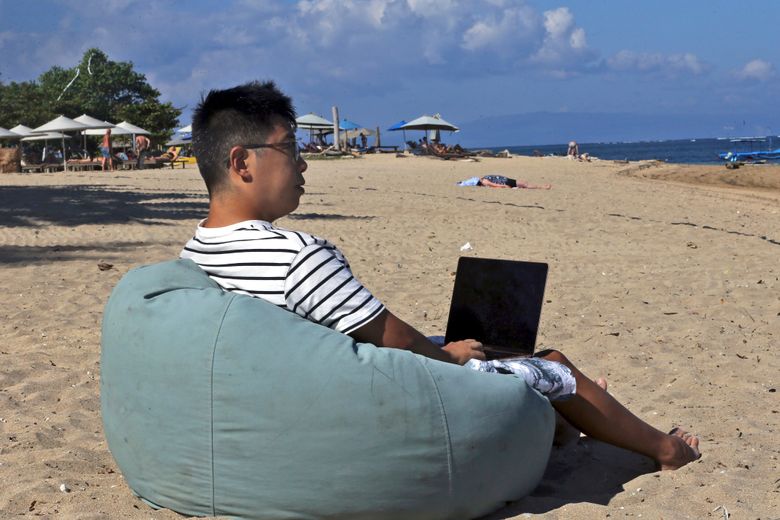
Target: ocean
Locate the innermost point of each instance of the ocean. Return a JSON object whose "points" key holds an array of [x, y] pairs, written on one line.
{"points": [[686, 151]]}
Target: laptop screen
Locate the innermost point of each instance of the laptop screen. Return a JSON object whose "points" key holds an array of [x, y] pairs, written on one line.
{"points": [[499, 303]]}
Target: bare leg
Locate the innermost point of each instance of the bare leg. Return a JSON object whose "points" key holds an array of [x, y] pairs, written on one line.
{"points": [[599, 415], [527, 186], [565, 433]]}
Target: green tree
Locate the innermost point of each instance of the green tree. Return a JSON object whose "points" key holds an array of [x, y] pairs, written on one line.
{"points": [[102, 88], [22, 103]]}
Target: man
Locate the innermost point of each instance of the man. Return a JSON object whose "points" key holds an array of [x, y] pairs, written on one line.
{"points": [[244, 139], [248, 156], [141, 145], [105, 151]]}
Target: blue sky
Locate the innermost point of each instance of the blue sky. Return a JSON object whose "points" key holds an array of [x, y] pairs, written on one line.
{"points": [[612, 69]]}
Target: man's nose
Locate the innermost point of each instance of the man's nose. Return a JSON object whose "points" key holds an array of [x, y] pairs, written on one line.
{"points": [[303, 165]]}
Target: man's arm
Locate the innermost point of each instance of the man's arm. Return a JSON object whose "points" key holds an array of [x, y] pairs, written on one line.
{"points": [[386, 330]]}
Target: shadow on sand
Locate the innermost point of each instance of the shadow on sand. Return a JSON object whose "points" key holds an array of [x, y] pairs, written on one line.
{"points": [[37, 206], [588, 471], [327, 216], [28, 255]]}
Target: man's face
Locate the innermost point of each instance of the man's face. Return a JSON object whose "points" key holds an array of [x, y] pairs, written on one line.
{"points": [[277, 175]]}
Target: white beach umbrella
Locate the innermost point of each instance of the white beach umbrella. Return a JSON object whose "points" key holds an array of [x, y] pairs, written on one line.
{"points": [[22, 130], [92, 123], [178, 140], [430, 123], [115, 130], [313, 122], [61, 124], [135, 130], [7, 134], [185, 130], [45, 136], [433, 124]]}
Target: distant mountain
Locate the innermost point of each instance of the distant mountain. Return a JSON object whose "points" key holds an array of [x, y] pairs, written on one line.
{"points": [[539, 128]]}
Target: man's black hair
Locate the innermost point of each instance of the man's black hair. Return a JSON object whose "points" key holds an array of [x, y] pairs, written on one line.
{"points": [[245, 114]]}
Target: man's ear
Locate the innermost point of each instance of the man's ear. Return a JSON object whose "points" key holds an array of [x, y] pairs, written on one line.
{"points": [[238, 163]]}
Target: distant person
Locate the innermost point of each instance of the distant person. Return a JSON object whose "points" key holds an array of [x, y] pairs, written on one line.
{"points": [[499, 181], [574, 150], [106, 161], [438, 148], [253, 171], [363, 140], [141, 146], [171, 154]]}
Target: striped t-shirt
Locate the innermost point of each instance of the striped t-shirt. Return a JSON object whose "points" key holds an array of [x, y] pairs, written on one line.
{"points": [[297, 271]]}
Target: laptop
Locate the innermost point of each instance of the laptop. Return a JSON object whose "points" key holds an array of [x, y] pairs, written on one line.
{"points": [[499, 303]]}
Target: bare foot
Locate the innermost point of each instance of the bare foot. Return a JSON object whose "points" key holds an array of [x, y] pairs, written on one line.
{"points": [[682, 448], [602, 383]]}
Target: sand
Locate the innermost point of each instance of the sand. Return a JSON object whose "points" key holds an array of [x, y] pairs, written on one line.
{"points": [[664, 279]]}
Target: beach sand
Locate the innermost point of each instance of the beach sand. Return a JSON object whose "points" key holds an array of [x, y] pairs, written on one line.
{"points": [[663, 278]]}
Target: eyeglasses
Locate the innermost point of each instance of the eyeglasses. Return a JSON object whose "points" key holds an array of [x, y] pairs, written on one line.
{"points": [[288, 147]]}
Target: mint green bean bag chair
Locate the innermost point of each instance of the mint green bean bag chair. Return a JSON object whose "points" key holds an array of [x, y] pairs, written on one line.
{"points": [[220, 404]]}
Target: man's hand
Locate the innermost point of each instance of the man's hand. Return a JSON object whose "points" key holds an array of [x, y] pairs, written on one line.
{"points": [[386, 330], [462, 351]]}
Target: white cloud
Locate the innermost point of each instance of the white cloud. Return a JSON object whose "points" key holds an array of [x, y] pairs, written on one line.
{"points": [[558, 22], [504, 29], [432, 8], [577, 39], [564, 45], [500, 35], [332, 17], [656, 62], [687, 62], [759, 70]]}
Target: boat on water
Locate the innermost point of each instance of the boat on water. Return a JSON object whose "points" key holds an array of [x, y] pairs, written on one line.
{"points": [[744, 150]]}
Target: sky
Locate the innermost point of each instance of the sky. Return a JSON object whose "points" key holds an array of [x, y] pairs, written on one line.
{"points": [[507, 72]]}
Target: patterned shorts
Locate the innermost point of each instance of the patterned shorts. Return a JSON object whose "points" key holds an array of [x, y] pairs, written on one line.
{"points": [[551, 379]]}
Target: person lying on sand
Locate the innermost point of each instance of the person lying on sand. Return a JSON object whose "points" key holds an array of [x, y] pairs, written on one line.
{"points": [[499, 181], [244, 138]]}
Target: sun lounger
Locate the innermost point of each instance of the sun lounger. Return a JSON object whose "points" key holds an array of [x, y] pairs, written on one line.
{"points": [[83, 165]]}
